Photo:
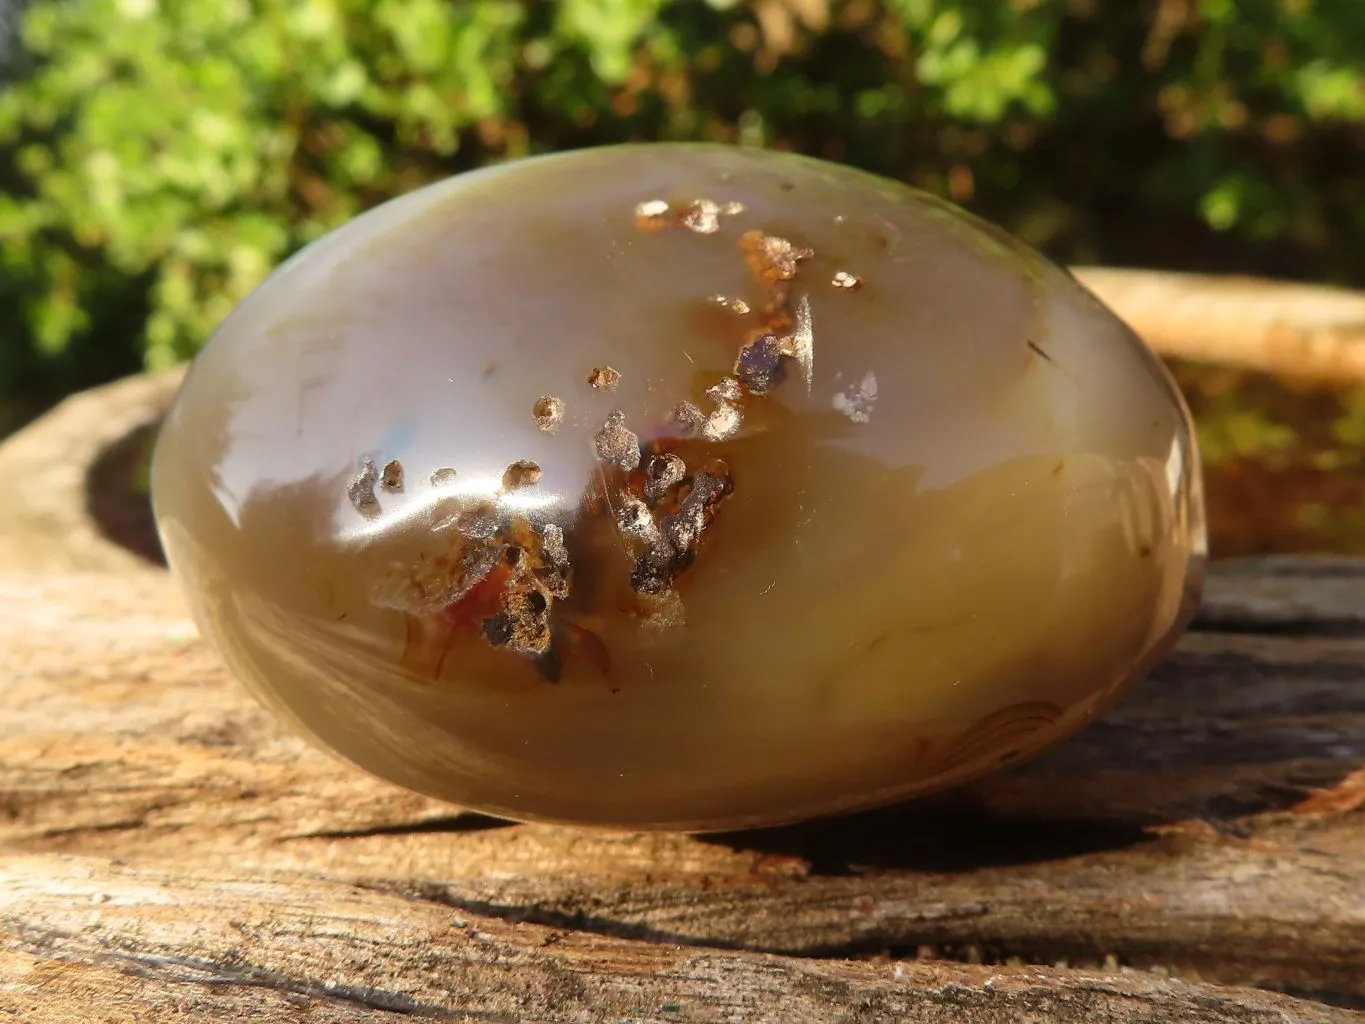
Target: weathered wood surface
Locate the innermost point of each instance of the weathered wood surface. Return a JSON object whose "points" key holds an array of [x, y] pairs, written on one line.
{"points": [[158, 944], [168, 852]]}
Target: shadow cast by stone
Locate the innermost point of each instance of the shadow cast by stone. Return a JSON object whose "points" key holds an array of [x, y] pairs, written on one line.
{"points": [[464, 821], [946, 833], [117, 498], [1213, 736]]}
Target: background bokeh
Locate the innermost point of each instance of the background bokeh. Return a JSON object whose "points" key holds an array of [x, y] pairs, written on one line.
{"points": [[159, 157]]}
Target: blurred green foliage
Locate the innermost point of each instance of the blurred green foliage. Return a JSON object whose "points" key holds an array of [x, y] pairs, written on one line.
{"points": [[158, 157]]}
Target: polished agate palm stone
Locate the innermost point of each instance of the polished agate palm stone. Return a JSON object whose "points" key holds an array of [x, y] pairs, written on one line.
{"points": [[686, 487]]}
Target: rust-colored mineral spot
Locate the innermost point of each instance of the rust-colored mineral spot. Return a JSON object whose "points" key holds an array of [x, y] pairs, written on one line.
{"points": [[393, 475], [548, 413], [522, 473], [787, 331], [736, 306], [497, 579], [604, 378], [700, 216], [772, 258]]}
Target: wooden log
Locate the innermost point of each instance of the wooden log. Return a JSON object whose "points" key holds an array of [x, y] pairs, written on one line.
{"points": [[1269, 326], [167, 848], [159, 943], [62, 517]]}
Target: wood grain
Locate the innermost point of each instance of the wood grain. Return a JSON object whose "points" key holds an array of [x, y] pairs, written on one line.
{"points": [[166, 849], [152, 941]]}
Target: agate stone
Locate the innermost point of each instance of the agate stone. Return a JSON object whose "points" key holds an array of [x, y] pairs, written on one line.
{"points": [[679, 486]]}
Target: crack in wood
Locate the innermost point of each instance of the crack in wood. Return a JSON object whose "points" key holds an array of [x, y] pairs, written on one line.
{"points": [[174, 969], [449, 824]]}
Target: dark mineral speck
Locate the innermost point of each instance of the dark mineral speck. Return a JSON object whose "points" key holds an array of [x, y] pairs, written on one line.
{"points": [[760, 363], [687, 417], [672, 541], [617, 445], [497, 630], [523, 625], [360, 490], [724, 421], [694, 514], [650, 576], [664, 471]]}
